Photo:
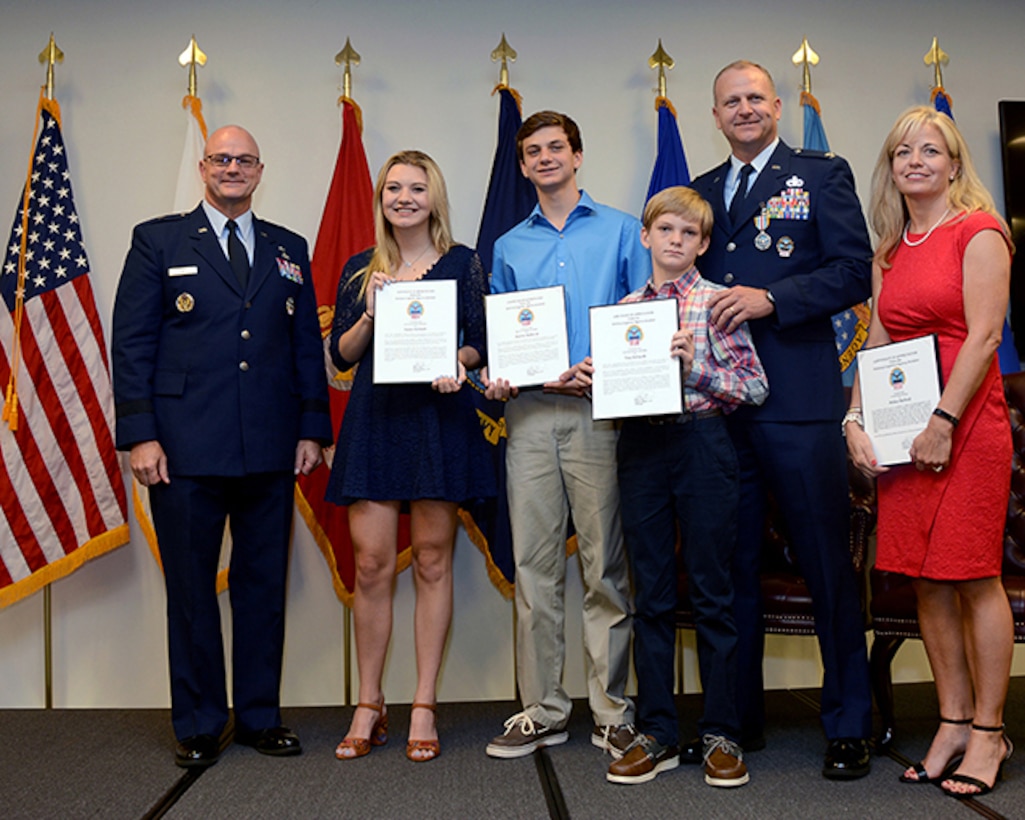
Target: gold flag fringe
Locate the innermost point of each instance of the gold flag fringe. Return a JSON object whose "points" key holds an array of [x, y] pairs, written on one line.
{"points": [[664, 102], [807, 98], [58, 569], [10, 411]]}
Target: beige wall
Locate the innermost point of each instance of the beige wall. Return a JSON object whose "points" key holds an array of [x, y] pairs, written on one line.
{"points": [[424, 82]]}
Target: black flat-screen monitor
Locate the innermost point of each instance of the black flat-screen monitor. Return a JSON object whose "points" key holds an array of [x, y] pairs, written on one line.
{"points": [[1012, 140]]}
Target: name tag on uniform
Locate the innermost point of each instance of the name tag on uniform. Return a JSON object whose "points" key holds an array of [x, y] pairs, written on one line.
{"points": [[184, 270]]}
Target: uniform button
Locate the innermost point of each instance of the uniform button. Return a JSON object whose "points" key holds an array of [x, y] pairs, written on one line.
{"points": [[245, 334], [728, 278], [248, 305], [731, 246], [562, 264], [243, 366]]}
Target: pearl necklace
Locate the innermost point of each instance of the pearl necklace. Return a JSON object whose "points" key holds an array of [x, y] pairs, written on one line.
{"points": [[928, 233]]}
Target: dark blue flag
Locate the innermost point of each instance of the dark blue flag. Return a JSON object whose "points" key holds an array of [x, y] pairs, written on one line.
{"points": [[670, 162], [510, 199], [941, 99]]}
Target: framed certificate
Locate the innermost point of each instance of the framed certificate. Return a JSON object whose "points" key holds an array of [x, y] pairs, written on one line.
{"points": [[634, 375], [415, 332], [528, 343], [900, 387]]}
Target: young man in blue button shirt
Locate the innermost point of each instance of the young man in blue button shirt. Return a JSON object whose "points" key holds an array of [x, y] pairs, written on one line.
{"points": [[560, 461]]}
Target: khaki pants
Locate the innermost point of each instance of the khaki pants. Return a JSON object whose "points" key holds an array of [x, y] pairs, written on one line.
{"points": [[558, 461]]}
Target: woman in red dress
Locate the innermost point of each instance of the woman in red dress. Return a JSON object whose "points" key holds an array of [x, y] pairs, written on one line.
{"points": [[942, 266]]}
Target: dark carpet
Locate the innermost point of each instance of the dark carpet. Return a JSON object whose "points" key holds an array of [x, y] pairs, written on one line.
{"points": [[119, 764]]}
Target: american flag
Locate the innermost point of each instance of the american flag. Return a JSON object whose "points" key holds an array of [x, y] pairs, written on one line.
{"points": [[62, 496]]}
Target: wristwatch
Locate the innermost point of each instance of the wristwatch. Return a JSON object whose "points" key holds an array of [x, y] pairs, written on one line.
{"points": [[771, 298], [855, 415]]}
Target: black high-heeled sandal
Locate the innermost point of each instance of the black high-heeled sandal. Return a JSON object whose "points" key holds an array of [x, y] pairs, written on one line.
{"points": [[922, 776], [968, 780]]}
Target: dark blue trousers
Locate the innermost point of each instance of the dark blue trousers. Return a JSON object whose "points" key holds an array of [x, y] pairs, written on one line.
{"points": [[681, 475], [805, 465], [189, 516]]}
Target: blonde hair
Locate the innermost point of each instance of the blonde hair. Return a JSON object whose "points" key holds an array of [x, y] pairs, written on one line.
{"points": [[386, 255], [683, 202], [888, 211]]}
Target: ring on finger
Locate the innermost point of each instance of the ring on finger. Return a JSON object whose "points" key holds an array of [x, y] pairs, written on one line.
{"points": [[938, 468]]}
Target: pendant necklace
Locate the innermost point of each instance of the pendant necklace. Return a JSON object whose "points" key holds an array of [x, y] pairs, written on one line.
{"points": [[928, 233], [410, 264]]}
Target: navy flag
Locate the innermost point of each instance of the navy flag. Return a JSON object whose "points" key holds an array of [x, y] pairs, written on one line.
{"points": [[510, 200]]}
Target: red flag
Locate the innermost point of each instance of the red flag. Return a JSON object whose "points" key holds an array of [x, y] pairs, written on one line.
{"points": [[62, 497], [346, 228]]}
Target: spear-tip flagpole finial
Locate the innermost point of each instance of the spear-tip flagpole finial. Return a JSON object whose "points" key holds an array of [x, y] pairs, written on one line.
{"points": [[805, 57], [507, 54], [50, 56], [661, 60], [937, 58], [347, 58], [192, 57]]}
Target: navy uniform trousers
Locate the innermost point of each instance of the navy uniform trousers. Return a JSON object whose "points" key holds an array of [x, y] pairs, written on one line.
{"points": [[816, 262]]}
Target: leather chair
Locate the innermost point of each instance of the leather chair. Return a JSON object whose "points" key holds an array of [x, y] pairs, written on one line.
{"points": [[893, 607], [786, 603]]}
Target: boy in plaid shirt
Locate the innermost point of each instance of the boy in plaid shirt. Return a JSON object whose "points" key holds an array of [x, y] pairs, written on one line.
{"points": [[682, 470]]}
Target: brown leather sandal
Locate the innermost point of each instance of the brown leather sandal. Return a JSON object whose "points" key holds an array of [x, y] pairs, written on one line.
{"points": [[352, 747], [420, 751]]}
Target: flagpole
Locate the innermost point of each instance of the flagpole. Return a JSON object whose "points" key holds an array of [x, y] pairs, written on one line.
{"points": [[662, 61], [805, 57], [48, 56], [346, 58], [504, 53], [937, 58]]}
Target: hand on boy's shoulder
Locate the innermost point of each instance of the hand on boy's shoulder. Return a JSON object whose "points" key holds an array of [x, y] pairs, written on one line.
{"points": [[730, 308]]}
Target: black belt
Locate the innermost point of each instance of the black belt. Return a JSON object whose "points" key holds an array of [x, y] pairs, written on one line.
{"points": [[683, 418]]}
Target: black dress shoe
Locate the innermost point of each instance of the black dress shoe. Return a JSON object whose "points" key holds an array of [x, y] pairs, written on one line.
{"points": [[278, 742], [692, 752], [197, 751], [847, 758]]}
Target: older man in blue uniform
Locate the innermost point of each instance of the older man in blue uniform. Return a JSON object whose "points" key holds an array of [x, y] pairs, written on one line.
{"points": [[790, 242], [221, 398]]}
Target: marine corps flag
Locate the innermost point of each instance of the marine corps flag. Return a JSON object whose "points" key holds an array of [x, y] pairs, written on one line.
{"points": [[346, 228], [509, 201], [62, 497]]}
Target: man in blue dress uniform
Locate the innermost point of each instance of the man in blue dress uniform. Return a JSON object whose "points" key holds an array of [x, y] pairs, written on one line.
{"points": [[221, 398], [791, 244]]}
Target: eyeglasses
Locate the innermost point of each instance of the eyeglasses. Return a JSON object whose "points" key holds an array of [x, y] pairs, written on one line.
{"points": [[246, 162]]}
